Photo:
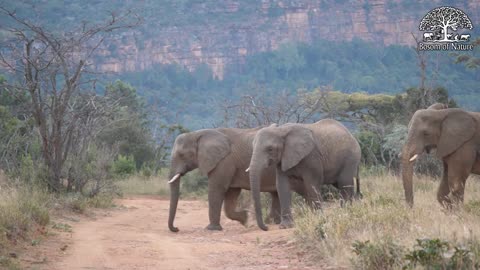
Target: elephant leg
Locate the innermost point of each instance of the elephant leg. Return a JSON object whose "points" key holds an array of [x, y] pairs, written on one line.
{"points": [[457, 187], [275, 208], [218, 184], [443, 189], [231, 199], [285, 196], [346, 185], [215, 201], [313, 191], [459, 167]]}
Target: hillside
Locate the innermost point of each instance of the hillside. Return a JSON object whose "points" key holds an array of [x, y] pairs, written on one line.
{"points": [[195, 52], [223, 33]]}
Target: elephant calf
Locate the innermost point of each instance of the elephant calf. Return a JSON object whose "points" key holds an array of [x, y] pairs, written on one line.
{"points": [[324, 152], [222, 154]]}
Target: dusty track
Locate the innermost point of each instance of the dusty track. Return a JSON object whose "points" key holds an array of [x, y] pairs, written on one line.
{"points": [[136, 237]]}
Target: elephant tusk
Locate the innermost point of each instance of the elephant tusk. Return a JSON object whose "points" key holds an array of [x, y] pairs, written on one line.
{"points": [[174, 178], [414, 157], [248, 169]]}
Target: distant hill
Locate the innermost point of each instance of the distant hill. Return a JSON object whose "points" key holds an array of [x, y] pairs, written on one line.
{"points": [[190, 55], [223, 33]]}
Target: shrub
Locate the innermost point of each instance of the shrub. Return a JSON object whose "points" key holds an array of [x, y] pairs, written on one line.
{"points": [[382, 255], [146, 171], [76, 202], [440, 254], [124, 166], [102, 200], [20, 210]]}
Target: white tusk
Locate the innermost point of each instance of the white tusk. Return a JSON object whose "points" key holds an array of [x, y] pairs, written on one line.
{"points": [[414, 157], [248, 169], [174, 178]]}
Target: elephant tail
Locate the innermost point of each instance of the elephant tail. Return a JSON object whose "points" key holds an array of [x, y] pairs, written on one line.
{"points": [[358, 194]]}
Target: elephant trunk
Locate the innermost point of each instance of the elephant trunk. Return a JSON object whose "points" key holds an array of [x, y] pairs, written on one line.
{"points": [[408, 160], [255, 177], [174, 195]]}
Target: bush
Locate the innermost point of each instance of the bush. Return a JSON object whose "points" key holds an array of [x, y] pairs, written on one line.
{"points": [[382, 255], [146, 171], [76, 202], [427, 253], [79, 203], [20, 210], [383, 214], [102, 200], [124, 166], [440, 254]]}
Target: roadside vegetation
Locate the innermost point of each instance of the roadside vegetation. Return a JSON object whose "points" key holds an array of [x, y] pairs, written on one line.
{"points": [[382, 232]]}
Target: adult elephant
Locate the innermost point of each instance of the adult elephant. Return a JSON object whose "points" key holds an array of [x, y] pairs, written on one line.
{"points": [[223, 155], [324, 152], [455, 134]]}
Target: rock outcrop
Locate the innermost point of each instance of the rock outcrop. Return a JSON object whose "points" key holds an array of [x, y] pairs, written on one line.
{"points": [[220, 45]]}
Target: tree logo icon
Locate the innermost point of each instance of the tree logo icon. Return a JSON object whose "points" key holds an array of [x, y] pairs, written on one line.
{"points": [[441, 25]]}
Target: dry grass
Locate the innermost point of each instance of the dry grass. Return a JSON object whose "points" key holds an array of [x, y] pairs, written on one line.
{"points": [[139, 185], [21, 211], [193, 185], [382, 215]]}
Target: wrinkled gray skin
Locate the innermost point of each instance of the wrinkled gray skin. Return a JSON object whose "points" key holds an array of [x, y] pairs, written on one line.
{"points": [[438, 106], [455, 134], [320, 153], [223, 155]]}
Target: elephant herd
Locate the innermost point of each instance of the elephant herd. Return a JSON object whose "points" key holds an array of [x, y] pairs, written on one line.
{"points": [[279, 159]]}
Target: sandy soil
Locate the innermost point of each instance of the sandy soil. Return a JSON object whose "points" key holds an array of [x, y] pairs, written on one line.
{"points": [[136, 236]]}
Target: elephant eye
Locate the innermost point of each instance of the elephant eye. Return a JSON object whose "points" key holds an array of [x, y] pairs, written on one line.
{"points": [[269, 148]]}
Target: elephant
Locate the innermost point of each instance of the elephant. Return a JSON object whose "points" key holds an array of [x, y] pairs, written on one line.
{"points": [[438, 106], [324, 152], [455, 134], [222, 154]]}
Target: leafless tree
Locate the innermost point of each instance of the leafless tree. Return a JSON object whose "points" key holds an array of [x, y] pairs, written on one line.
{"points": [[54, 69], [263, 109]]}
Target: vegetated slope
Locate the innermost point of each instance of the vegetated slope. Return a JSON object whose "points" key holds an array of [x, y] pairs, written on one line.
{"points": [[346, 66], [194, 54], [221, 34]]}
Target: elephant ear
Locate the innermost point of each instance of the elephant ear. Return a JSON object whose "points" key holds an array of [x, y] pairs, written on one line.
{"points": [[457, 128], [298, 144], [213, 146]]}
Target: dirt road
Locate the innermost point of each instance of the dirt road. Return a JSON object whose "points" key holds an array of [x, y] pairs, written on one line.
{"points": [[136, 237]]}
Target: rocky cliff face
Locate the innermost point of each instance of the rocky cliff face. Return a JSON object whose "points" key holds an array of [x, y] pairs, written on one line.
{"points": [[219, 45]]}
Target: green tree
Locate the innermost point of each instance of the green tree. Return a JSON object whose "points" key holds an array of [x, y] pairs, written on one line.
{"points": [[129, 130]]}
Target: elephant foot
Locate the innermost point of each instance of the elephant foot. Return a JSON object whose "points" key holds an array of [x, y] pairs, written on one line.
{"points": [[273, 217], [242, 217], [214, 227], [272, 220], [285, 224], [277, 219]]}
